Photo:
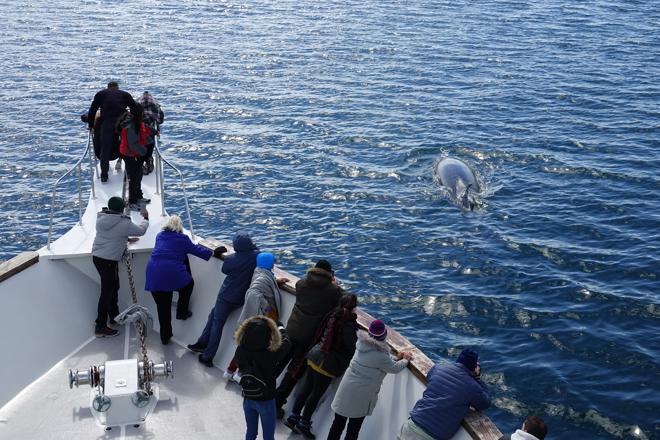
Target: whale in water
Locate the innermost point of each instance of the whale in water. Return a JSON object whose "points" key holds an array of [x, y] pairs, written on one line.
{"points": [[460, 181]]}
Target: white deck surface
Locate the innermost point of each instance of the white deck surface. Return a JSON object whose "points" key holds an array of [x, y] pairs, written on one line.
{"points": [[78, 240], [197, 404]]}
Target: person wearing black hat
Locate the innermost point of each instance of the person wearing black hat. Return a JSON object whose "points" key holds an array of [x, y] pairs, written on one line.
{"points": [[317, 293], [112, 232], [450, 391]]}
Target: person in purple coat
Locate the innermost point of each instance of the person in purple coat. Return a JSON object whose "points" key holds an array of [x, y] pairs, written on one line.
{"points": [[168, 270]]}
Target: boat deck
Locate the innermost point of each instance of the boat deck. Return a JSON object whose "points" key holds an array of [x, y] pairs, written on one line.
{"points": [[77, 241], [197, 404]]}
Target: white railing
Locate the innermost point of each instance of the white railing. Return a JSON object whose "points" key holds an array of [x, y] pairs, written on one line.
{"points": [[160, 185], [78, 167], [160, 181]]}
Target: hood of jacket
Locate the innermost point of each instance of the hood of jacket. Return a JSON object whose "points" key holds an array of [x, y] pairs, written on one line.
{"points": [[242, 242], [366, 343], [522, 435], [317, 277], [107, 219], [258, 333]]}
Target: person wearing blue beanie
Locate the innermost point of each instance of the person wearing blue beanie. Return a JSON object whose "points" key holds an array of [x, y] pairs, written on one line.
{"points": [[265, 260], [469, 358], [263, 297]]}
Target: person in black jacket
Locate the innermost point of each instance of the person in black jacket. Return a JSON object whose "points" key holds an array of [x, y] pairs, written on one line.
{"points": [[317, 294], [261, 345], [113, 103], [328, 359]]}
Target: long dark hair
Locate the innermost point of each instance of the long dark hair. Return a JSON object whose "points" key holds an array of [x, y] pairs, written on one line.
{"points": [[335, 320], [138, 113]]}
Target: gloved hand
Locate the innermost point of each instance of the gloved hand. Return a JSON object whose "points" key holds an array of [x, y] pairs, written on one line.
{"points": [[219, 251]]}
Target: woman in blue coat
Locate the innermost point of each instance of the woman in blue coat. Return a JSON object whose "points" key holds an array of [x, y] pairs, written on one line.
{"points": [[168, 270]]}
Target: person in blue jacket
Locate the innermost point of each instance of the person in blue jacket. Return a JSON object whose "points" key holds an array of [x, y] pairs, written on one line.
{"points": [[168, 270], [450, 391], [238, 267]]}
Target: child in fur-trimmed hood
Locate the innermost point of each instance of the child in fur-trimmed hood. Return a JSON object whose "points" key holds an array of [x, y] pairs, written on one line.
{"points": [[261, 345]]}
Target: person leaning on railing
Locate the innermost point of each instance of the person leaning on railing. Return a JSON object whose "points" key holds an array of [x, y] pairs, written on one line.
{"points": [[238, 267], [327, 360], [357, 394], [113, 102], [112, 232], [168, 270], [450, 391], [153, 117]]}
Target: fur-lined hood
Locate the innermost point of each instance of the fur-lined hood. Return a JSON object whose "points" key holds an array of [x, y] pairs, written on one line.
{"points": [[367, 343], [258, 333]]}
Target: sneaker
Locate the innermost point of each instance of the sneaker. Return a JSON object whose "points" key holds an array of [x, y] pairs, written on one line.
{"points": [[183, 316], [143, 201], [135, 207], [291, 422], [196, 347], [104, 179], [203, 360], [105, 332], [236, 377], [304, 427], [165, 341], [279, 413]]}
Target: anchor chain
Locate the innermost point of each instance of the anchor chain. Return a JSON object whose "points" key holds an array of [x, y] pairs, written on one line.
{"points": [[146, 367]]}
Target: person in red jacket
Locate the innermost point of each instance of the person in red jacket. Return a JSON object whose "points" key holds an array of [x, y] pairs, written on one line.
{"points": [[135, 136]]}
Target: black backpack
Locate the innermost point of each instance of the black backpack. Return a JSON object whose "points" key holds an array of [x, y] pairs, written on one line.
{"points": [[251, 384]]}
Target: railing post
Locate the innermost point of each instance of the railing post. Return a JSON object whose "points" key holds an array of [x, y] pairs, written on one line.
{"points": [[185, 199], [156, 158], [162, 187], [79, 172], [91, 164], [52, 212]]}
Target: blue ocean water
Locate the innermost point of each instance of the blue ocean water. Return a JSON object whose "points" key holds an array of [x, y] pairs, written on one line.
{"points": [[315, 125]]}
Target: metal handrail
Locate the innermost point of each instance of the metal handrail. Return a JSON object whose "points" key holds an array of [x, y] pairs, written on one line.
{"points": [[78, 167], [160, 184]]}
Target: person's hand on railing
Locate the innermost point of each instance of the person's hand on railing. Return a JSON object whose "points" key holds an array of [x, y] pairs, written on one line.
{"points": [[281, 281], [217, 253]]}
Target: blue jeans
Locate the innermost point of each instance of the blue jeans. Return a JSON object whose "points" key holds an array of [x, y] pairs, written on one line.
{"points": [[255, 409], [213, 330]]}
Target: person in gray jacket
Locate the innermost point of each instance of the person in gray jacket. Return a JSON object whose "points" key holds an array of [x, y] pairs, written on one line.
{"points": [[358, 391], [263, 297], [112, 232]]}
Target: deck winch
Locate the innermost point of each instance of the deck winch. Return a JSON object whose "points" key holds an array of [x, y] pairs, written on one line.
{"points": [[123, 391]]}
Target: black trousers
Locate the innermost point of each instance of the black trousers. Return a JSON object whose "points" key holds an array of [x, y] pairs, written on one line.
{"points": [[297, 367], [313, 386], [107, 307], [134, 173], [108, 144], [163, 302], [338, 424]]}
